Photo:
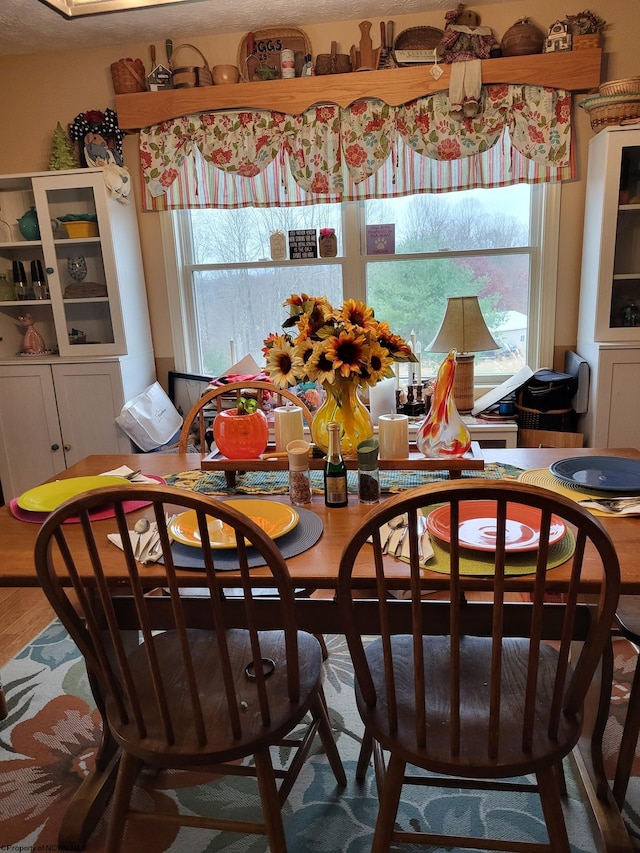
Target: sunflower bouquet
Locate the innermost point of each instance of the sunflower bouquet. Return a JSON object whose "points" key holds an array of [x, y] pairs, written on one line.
{"points": [[342, 349]]}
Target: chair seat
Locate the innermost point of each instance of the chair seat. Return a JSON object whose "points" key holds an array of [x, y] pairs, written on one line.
{"points": [[475, 661], [221, 745]]}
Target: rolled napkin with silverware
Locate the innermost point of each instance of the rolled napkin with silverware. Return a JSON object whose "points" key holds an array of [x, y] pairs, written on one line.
{"points": [[627, 505]]}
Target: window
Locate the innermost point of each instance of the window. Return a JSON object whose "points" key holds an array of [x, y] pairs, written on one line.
{"points": [[498, 244]]}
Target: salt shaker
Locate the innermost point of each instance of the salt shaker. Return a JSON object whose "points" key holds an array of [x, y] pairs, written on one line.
{"points": [[368, 472], [299, 473]]}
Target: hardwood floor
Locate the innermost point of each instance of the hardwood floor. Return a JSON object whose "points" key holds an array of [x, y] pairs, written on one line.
{"points": [[23, 614]]}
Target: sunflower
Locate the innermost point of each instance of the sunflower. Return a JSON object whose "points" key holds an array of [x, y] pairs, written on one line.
{"points": [[282, 363], [349, 353], [320, 368], [379, 364], [356, 313]]}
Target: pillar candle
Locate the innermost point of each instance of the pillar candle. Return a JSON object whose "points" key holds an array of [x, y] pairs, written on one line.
{"points": [[393, 436], [289, 425], [397, 376], [382, 399], [232, 348]]}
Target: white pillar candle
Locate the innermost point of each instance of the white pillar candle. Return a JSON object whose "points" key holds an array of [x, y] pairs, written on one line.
{"points": [[232, 348], [289, 425], [382, 399], [393, 436]]}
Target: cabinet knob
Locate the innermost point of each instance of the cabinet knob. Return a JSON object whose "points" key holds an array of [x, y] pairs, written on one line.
{"points": [[55, 447], [50, 270], [67, 447]]}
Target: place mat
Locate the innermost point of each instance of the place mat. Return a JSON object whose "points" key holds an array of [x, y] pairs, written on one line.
{"points": [[277, 482], [301, 538], [544, 478]]}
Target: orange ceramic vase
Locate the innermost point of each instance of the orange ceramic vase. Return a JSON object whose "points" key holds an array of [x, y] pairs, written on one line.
{"points": [[443, 432]]}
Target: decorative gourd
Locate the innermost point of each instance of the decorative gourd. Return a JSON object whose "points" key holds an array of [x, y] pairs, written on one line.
{"points": [[239, 435]]}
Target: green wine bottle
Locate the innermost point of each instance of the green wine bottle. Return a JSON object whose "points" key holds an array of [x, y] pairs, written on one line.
{"points": [[335, 470]]}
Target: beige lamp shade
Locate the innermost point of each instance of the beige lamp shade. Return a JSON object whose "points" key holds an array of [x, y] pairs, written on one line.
{"points": [[464, 330]]}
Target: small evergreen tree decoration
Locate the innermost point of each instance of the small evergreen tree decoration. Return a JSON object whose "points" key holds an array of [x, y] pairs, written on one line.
{"points": [[63, 153]]}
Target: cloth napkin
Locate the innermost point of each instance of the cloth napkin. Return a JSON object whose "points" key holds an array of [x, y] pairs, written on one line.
{"points": [[427, 550], [146, 541], [125, 471]]}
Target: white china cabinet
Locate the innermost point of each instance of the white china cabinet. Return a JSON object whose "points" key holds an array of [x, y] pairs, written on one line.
{"points": [[59, 406], [609, 318]]}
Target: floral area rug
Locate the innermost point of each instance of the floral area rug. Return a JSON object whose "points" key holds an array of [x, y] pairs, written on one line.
{"points": [[48, 740]]}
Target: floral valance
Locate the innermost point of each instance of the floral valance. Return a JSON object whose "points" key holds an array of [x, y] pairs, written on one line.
{"points": [[368, 150]]}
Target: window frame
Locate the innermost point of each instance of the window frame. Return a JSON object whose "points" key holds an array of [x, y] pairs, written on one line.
{"points": [[545, 199]]}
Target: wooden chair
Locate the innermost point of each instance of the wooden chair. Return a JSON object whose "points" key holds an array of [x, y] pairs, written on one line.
{"points": [[183, 697], [474, 690], [627, 624], [549, 438], [199, 419]]}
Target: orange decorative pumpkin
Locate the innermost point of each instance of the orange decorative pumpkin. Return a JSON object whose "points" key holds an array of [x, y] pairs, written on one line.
{"points": [[241, 436]]}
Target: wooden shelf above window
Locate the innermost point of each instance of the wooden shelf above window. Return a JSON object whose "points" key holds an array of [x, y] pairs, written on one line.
{"points": [[575, 71]]}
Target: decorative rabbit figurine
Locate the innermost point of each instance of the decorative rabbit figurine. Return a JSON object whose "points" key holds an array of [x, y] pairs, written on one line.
{"points": [[33, 341], [443, 432]]}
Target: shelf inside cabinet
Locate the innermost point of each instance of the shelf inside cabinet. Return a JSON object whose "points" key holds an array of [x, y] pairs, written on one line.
{"points": [[576, 71]]}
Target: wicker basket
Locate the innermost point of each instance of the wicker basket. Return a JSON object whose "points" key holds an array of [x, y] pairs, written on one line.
{"points": [[190, 76], [276, 39], [558, 420], [128, 76], [606, 110], [419, 38], [627, 86]]}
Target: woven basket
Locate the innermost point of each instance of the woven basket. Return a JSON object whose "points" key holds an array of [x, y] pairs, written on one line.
{"points": [[290, 38], [190, 76], [606, 110], [558, 420], [627, 86], [128, 76], [418, 38]]}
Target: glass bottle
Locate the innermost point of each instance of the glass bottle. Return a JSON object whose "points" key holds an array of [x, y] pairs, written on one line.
{"points": [[299, 473], [20, 281], [335, 470], [368, 472]]}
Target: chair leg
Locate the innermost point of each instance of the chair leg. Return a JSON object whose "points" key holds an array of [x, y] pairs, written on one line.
{"points": [[627, 750], [389, 801], [552, 810], [4, 711], [366, 748], [128, 771], [321, 713], [600, 722], [271, 811]]}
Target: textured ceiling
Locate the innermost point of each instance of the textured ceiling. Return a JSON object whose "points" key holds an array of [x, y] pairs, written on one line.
{"points": [[30, 26]]}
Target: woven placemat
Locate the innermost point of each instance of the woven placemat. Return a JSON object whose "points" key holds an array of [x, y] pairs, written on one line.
{"points": [[277, 482], [303, 536], [544, 478]]}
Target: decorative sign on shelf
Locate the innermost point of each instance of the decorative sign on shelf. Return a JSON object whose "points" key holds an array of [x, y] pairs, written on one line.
{"points": [[260, 52], [381, 239], [303, 243]]}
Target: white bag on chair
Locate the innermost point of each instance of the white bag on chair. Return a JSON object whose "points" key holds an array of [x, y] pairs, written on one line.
{"points": [[150, 419]]}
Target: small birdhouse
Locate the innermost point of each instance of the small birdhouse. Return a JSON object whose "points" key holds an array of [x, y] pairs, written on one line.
{"points": [[558, 38], [159, 78]]}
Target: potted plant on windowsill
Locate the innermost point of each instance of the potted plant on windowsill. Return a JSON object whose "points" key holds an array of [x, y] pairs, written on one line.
{"points": [[243, 432]]}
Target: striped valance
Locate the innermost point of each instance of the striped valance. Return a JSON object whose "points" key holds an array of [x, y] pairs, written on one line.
{"points": [[239, 158]]}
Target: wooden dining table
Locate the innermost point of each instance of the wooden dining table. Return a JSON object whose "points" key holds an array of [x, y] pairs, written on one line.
{"points": [[317, 569]]}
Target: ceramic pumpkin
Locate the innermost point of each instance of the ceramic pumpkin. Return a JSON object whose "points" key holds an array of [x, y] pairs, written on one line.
{"points": [[241, 435]]}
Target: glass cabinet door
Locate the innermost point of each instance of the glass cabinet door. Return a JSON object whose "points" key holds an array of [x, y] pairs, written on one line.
{"points": [[78, 252]]}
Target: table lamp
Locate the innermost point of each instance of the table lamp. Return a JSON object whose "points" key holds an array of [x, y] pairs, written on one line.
{"points": [[464, 330]]}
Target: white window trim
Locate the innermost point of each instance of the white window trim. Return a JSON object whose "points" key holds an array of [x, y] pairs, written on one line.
{"points": [[542, 295]]}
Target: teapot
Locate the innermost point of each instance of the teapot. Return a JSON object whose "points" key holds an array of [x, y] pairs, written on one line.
{"points": [[29, 227]]}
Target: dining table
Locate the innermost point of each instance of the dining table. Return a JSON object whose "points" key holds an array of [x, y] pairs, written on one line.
{"points": [[316, 568]]}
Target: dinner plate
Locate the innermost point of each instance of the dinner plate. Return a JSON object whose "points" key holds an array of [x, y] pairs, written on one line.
{"points": [[49, 496], [611, 474], [478, 526], [275, 519]]}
